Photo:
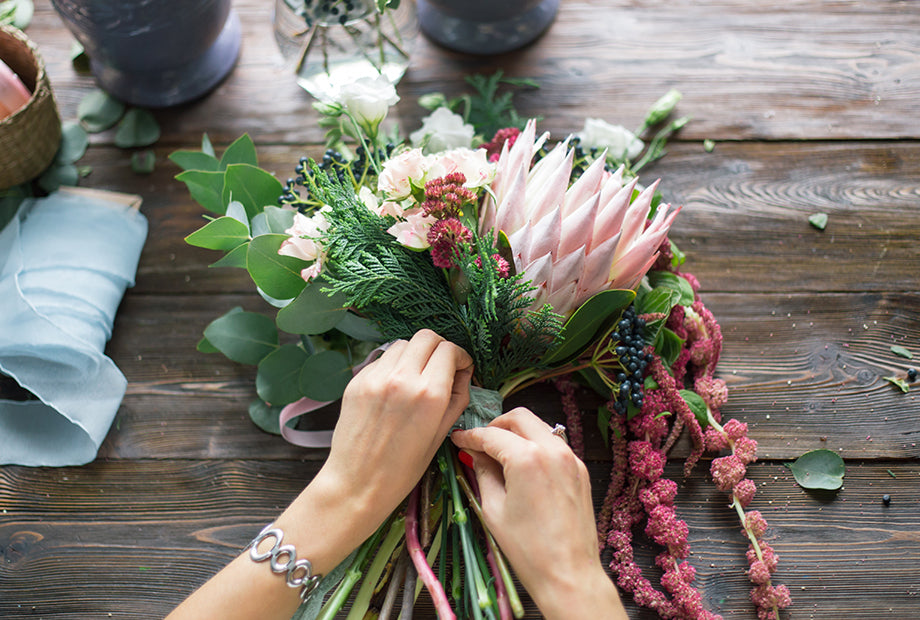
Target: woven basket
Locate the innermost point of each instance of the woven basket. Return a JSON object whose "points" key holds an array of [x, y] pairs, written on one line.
{"points": [[30, 137]]}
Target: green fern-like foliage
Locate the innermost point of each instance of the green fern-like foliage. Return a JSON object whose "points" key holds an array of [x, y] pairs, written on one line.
{"points": [[404, 292]]}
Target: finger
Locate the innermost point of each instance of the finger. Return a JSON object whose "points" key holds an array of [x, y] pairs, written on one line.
{"points": [[491, 483], [523, 422], [418, 351], [498, 443], [459, 399]]}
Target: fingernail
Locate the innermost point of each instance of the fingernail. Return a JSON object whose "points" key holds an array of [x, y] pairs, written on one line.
{"points": [[465, 457]]}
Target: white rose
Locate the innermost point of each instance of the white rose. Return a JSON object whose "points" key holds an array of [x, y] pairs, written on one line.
{"points": [[368, 100], [620, 142], [444, 130]]}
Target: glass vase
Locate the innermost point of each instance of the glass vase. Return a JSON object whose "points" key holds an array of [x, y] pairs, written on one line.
{"points": [[329, 43]]}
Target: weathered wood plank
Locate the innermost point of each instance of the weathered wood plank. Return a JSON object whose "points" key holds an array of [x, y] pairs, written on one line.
{"points": [[805, 371], [748, 71], [133, 538], [744, 223]]}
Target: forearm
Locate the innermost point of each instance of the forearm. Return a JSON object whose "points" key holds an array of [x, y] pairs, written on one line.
{"points": [[321, 524]]}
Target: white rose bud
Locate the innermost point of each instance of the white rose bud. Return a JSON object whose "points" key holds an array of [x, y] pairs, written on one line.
{"points": [[444, 130], [661, 108], [368, 100], [620, 142]]}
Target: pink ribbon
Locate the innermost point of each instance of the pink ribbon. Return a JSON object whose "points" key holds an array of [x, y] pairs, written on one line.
{"points": [[316, 439]]}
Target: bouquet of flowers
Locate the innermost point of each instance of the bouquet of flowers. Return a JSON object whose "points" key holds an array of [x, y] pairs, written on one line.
{"points": [[544, 261]]}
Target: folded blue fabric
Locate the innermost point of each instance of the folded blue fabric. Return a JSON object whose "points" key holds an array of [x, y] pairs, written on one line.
{"points": [[65, 262]]}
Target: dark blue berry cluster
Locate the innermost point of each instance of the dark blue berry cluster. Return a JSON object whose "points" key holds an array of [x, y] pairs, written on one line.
{"points": [[336, 166], [326, 11], [630, 351]]}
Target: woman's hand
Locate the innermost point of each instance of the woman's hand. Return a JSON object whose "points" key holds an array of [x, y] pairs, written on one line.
{"points": [[395, 413], [536, 500]]}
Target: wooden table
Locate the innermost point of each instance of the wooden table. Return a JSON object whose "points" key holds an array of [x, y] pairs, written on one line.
{"points": [[813, 107]]}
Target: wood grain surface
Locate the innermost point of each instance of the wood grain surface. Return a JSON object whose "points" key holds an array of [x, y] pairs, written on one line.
{"points": [[813, 107]]}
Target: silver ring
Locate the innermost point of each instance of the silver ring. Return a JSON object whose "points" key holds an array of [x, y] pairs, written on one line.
{"points": [[559, 431]]}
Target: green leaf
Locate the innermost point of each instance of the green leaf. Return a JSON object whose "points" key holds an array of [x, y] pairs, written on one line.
{"points": [[79, 59], [224, 233], [143, 162], [677, 256], [241, 151], [205, 346], [324, 376], [206, 146], [252, 186], [666, 279], [73, 143], [234, 258], [194, 160], [709, 145], [265, 416], [99, 111], [278, 377], [206, 188], [277, 275], [278, 219], [57, 175], [313, 312], [899, 382], [359, 328], [244, 337], [819, 469], [697, 406], [668, 345], [16, 12], [137, 128], [818, 220], [582, 327], [899, 350], [237, 211]]}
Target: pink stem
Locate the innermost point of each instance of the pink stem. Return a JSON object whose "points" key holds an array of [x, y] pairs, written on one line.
{"points": [[501, 594], [441, 604]]}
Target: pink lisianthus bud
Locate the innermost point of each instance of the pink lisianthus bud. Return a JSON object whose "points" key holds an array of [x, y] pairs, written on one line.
{"points": [[746, 450], [727, 472], [399, 172], [645, 462], [735, 429], [744, 492], [715, 441], [755, 523], [413, 232]]}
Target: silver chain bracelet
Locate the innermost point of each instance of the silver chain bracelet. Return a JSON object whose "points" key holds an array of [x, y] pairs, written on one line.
{"points": [[307, 581]]}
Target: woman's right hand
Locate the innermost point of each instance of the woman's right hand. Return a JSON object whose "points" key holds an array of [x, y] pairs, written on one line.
{"points": [[536, 500]]}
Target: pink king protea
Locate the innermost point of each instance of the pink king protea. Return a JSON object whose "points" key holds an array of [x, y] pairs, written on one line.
{"points": [[571, 242]]}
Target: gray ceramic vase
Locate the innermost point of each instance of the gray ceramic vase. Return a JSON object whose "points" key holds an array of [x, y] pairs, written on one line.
{"points": [[155, 53], [485, 26]]}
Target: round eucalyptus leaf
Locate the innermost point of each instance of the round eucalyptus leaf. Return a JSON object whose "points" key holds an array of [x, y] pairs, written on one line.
{"points": [[98, 111], [819, 469], [278, 377], [244, 337], [265, 416], [323, 376], [137, 128], [73, 143]]}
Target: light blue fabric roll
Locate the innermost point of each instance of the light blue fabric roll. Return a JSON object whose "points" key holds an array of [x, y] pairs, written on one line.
{"points": [[65, 262]]}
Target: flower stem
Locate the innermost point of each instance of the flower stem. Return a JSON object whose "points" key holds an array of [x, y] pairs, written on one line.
{"points": [[387, 547], [501, 567], [417, 554]]}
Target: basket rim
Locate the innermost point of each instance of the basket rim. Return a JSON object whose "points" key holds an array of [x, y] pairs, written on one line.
{"points": [[41, 78]]}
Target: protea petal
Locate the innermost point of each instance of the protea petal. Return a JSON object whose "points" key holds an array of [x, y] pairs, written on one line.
{"points": [[588, 184], [547, 182], [545, 237], [596, 270], [634, 222], [567, 269], [538, 271], [561, 299], [610, 214], [627, 272], [578, 228]]}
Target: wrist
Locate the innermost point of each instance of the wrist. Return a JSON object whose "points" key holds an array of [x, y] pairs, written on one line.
{"points": [[587, 594]]}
